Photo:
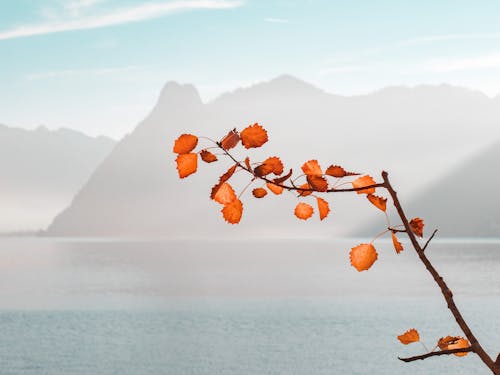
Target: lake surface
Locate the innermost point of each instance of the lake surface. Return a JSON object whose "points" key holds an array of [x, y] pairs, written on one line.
{"points": [[236, 307]]}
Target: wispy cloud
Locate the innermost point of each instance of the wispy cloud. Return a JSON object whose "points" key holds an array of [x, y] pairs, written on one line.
{"points": [[276, 20], [81, 72], [447, 37], [491, 61], [120, 16]]}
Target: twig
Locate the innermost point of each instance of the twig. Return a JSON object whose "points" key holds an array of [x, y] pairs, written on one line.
{"points": [[430, 239], [433, 354]]}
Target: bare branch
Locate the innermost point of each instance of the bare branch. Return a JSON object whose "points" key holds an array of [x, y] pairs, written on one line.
{"points": [[433, 354], [430, 239]]}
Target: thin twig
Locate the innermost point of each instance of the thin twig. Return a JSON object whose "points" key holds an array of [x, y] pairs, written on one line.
{"points": [[430, 239], [433, 354]]}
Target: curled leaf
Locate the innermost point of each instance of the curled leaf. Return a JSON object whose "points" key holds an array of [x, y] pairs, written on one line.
{"points": [[379, 202], [397, 245], [270, 165], [363, 256], [233, 211], [224, 193], [453, 342], [323, 208], [409, 336], [247, 164], [259, 192], [253, 136], [305, 193], [282, 179], [185, 143], [207, 156], [312, 168], [361, 182], [230, 140], [303, 211], [417, 226], [338, 171], [317, 183], [229, 173], [186, 164], [443, 342], [274, 188]]}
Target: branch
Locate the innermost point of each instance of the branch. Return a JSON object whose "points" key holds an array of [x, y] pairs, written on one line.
{"points": [[433, 354], [430, 239]]}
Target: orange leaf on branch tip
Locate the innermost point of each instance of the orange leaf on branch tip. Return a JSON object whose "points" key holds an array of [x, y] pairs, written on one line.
{"points": [[233, 211], [312, 167], [230, 140], [185, 143], [317, 183], [361, 182], [186, 164], [303, 211], [443, 342], [270, 165], [417, 226], [224, 194], [397, 245], [274, 188], [461, 343], [207, 156], [409, 336], [259, 192], [253, 136], [323, 208], [229, 173], [379, 202], [363, 256], [338, 171]]}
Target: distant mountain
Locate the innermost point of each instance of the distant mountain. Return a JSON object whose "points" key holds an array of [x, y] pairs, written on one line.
{"points": [[464, 202], [417, 134], [41, 171]]}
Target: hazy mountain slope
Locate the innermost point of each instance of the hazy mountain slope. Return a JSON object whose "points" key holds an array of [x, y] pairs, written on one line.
{"points": [[415, 133], [41, 170]]}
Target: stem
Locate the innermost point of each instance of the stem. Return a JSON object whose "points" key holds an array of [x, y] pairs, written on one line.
{"points": [[447, 294], [433, 354]]}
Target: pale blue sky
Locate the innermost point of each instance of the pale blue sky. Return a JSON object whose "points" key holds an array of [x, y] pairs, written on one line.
{"points": [[98, 65]]}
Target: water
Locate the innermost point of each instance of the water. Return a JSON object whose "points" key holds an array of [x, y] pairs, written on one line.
{"points": [[235, 307]]}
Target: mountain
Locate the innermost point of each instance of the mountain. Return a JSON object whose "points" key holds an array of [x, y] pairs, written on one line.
{"points": [[41, 171], [417, 134], [464, 202]]}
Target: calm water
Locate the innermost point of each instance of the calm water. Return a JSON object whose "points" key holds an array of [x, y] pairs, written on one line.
{"points": [[235, 307]]}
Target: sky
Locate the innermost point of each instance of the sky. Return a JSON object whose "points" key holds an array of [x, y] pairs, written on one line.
{"points": [[98, 65]]}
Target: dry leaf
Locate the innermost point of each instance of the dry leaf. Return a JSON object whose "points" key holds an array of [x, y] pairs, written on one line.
{"points": [[409, 336], [443, 342], [303, 211], [312, 168], [274, 188], [253, 136], [282, 179], [224, 194], [397, 245], [186, 164], [317, 183], [207, 156], [230, 140], [362, 182], [417, 226], [323, 208], [232, 211], [270, 165], [247, 164], [338, 171], [185, 143], [304, 193], [229, 173], [379, 202], [259, 192], [363, 256], [461, 343]]}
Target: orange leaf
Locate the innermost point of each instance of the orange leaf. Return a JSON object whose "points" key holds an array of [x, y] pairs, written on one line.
{"points": [[409, 336], [362, 182], [443, 342], [226, 176], [247, 164], [230, 140], [363, 256], [318, 183], [397, 245], [232, 211], [224, 194], [259, 192], [312, 167], [323, 208], [303, 211], [304, 193], [207, 156], [377, 201], [417, 226], [274, 188], [270, 165], [453, 342], [187, 164], [253, 136], [185, 143], [282, 179], [338, 171]]}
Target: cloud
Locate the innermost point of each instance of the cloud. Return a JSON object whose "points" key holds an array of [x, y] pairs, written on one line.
{"points": [[491, 61], [120, 16], [447, 37], [276, 20], [80, 72]]}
